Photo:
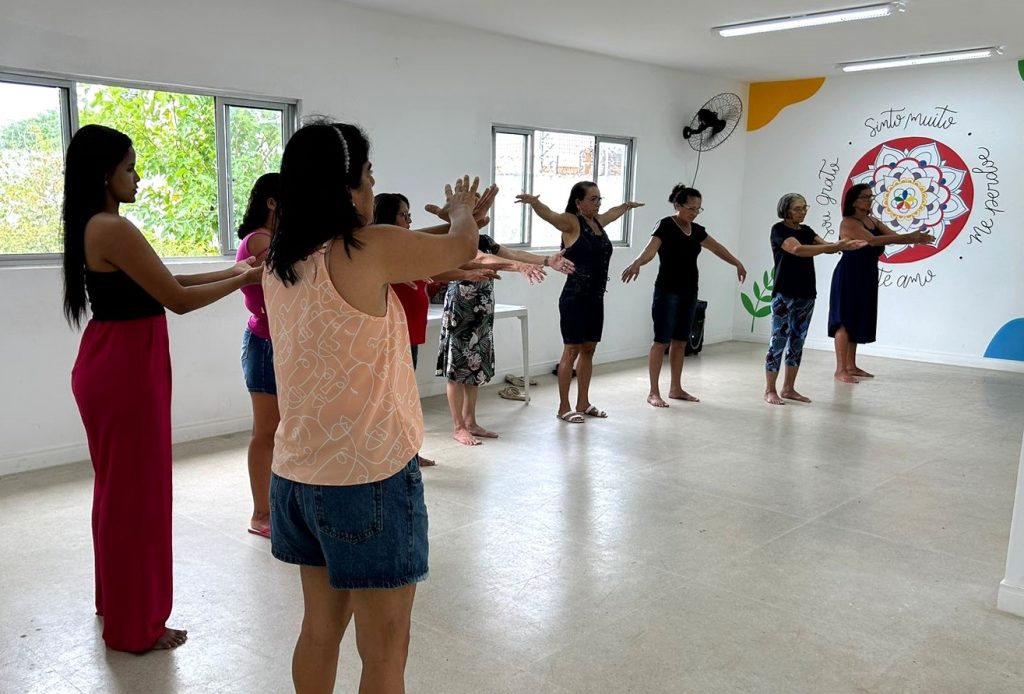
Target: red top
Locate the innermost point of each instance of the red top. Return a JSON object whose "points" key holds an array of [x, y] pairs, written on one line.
{"points": [[415, 302]]}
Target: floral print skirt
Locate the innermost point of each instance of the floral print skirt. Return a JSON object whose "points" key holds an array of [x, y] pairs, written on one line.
{"points": [[466, 350]]}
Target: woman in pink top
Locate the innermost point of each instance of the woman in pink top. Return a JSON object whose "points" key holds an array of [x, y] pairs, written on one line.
{"points": [[346, 492], [257, 351]]}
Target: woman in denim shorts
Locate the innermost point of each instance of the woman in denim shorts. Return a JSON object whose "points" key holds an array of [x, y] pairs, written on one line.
{"points": [[257, 351], [346, 491], [677, 241]]}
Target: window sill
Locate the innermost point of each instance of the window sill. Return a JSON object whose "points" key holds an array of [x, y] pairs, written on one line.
{"points": [[50, 261]]}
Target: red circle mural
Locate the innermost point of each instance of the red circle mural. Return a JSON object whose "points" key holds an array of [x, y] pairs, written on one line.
{"points": [[919, 184]]}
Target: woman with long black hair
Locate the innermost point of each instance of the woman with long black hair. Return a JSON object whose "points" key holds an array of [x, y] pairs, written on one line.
{"points": [[122, 382], [347, 491], [254, 235]]}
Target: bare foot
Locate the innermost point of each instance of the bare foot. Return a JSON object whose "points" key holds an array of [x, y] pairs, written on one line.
{"points": [[427, 462], [861, 373], [477, 430], [655, 400], [682, 395], [172, 638], [465, 438], [791, 394], [772, 398], [844, 377]]}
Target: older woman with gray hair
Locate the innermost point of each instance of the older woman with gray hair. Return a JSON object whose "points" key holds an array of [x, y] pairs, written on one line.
{"points": [[794, 245]]}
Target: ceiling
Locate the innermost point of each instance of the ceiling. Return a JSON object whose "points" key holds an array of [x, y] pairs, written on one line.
{"points": [[678, 34]]}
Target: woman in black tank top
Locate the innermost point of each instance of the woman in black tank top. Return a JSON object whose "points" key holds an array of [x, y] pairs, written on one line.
{"points": [[581, 305], [122, 383]]}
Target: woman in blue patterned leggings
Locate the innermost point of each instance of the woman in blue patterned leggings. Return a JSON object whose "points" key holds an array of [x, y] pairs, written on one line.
{"points": [[794, 246]]}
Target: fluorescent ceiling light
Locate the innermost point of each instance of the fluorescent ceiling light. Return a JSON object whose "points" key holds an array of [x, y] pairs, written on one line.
{"points": [[812, 19], [925, 59]]}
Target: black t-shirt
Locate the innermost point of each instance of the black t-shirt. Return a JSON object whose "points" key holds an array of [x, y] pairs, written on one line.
{"points": [[488, 245], [677, 256], [485, 244], [794, 276]]}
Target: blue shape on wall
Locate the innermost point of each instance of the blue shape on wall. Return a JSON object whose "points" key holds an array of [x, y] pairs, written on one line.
{"points": [[1008, 342]]}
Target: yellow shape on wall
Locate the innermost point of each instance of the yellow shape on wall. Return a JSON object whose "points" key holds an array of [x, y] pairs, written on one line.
{"points": [[766, 99]]}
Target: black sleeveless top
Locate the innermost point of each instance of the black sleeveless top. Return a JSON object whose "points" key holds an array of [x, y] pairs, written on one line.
{"points": [[591, 254], [116, 296]]}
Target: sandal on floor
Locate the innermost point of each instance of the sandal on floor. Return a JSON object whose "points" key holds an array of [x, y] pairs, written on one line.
{"points": [[571, 417], [262, 531], [592, 411], [519, 381], [512, 393]]}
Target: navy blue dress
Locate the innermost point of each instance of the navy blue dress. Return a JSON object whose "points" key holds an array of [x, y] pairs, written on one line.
{"points": [[853, 303]]}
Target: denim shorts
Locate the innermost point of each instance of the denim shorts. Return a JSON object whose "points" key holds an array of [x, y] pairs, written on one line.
{"points": [[673, 315], [367, 535], [258, 364]]}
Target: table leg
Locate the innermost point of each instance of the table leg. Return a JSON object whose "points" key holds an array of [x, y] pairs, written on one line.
{"points": [[524, 331]]}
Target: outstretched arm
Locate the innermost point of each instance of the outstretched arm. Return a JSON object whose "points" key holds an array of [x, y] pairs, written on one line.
{"points": [[555, 261], [723, 253], [606, 218], [820, 246], [563, 221], [853, 229], [633, 270], [122, 245]]}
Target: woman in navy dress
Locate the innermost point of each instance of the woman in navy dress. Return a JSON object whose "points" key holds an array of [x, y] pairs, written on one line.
{"points": [[853, 304]]}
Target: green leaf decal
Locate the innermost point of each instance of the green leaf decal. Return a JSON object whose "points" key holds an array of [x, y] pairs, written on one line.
{"points": [[763, 311], [747, 303]]}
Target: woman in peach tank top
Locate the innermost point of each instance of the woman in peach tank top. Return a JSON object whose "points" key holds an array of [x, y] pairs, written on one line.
{"points": [[346, 493]]}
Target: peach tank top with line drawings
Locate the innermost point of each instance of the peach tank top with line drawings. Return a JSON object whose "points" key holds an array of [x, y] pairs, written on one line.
{"points": [[346, 389]]}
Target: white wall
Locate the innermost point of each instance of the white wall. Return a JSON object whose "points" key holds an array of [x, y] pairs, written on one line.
{"points": [[976, 286], [427, 93]]}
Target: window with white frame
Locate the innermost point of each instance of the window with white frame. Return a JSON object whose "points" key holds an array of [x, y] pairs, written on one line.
{"points": [[547, 163], [198, 155]]}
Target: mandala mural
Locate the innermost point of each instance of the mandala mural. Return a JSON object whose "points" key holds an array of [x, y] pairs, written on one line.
{"points": [[919, 184]]}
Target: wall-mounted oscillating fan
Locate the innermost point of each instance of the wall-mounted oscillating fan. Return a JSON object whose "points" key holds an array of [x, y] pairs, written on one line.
{"points": [[714, 122]]}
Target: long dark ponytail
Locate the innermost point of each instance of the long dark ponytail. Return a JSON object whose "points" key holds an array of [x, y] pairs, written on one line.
{"points": [[321, 163], [94, 152], [265, 188]]}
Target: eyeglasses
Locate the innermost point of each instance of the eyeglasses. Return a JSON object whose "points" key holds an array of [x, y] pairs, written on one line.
{"points": [[407, 216], [695, 210], [801, 208]]}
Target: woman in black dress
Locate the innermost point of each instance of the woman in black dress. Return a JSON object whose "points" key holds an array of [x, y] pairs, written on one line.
{"points": [[853, 304], [581, 305]]}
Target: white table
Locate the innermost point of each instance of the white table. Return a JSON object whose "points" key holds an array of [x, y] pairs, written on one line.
{"points": [[502, 311]]}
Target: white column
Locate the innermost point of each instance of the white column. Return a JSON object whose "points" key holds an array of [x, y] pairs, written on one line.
{"points": [[1011, 589]]}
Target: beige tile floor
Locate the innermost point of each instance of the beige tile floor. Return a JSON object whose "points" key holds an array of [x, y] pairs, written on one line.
{"points": [[851, 545]]}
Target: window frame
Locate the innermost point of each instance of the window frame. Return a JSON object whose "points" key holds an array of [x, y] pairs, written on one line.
{"points": [[290, 108], [526, 224]]}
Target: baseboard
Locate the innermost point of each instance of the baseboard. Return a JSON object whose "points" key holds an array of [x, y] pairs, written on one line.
{"points": [[826, 344], [73, 453], [1010, 598]]}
